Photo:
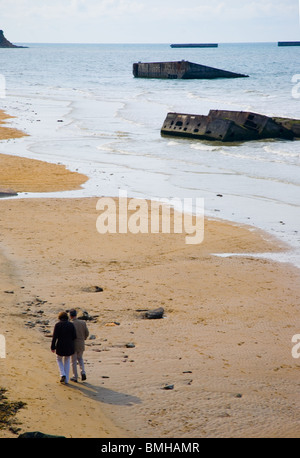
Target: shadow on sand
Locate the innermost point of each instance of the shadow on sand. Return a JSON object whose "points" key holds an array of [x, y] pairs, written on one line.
{"points": [[105, 395]]}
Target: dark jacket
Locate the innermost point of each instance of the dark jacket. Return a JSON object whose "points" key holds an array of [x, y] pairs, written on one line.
{"points": [[64, 335]]}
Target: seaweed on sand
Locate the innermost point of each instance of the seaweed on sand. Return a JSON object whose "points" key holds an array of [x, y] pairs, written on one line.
{"points": [[8, 411]]}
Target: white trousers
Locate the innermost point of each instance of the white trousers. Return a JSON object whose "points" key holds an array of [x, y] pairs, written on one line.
{"points": [[64, 366]]}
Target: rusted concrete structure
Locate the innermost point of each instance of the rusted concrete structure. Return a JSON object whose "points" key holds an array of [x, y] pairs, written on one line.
{"points": [[180, 70], [194, 45], [259, 125], [290, 124], [227, 126], [288, 43]]}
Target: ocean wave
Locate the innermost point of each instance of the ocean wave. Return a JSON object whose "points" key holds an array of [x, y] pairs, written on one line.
{"points": [[283, 153], [172, 143], [203, 147]]}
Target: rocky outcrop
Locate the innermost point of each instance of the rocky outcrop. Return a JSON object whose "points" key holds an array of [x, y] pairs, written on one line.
{"points": [[4, 43]]}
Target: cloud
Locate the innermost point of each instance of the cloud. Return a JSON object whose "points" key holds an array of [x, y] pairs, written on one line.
{"points": [[232, 10], [202, 9], [148, 20], [69, 9]]}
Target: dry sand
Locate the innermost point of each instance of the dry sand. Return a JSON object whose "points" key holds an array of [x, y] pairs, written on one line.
{"points": [[227, 328], [224, 343]]}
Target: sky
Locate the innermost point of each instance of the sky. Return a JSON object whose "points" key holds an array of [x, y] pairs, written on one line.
{"points": [[149, 21]]}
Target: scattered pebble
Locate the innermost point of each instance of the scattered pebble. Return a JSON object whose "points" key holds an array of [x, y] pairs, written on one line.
{"points": [[93, 289], [224, 415], [168, 387], [86, 316]]}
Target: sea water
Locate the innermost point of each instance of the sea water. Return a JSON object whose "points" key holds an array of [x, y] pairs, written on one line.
{"points": [[82, 107]]}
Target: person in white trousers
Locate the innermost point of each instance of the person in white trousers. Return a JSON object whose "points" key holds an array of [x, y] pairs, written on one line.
{"points": [[63, 363], [62, 344]]}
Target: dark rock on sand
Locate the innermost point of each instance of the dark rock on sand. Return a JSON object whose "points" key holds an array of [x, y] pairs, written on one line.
{"points": [[38, 435], [8, 193], [168, 387], [92, 289], [86, 316], [154, 314]]}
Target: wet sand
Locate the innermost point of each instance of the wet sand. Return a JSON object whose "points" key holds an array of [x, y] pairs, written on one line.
{"points": [[20, 174], [8, 132]]}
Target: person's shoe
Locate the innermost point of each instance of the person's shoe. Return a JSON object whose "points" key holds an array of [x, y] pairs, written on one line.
{"points": [[83, 376], [73, 379], [63, 379]]}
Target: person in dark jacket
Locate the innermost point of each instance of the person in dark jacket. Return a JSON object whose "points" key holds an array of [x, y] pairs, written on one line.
{"points": [[62, 344]]}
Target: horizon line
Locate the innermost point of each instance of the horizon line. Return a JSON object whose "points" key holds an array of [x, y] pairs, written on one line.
{"points": [[142, 43]]}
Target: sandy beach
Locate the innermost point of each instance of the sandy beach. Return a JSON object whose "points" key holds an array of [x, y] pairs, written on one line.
{"points": [[223, 347]]}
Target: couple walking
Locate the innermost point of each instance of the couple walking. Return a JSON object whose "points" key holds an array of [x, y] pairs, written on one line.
{"points": [[68, 343]]}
